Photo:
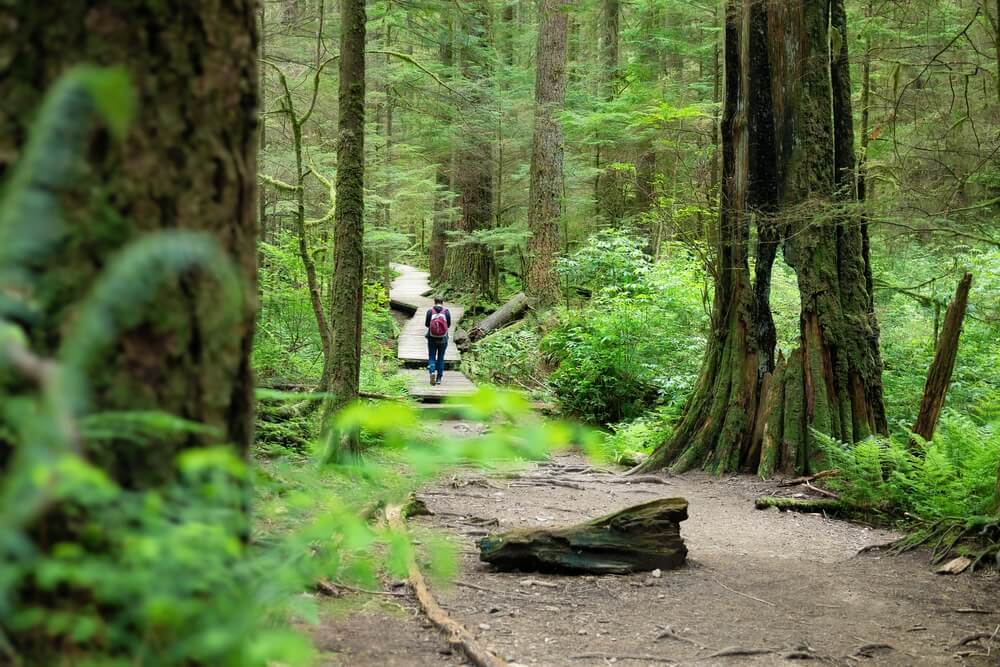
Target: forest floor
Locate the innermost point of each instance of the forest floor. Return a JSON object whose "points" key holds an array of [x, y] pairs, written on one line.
{"points": [[784, 585]]}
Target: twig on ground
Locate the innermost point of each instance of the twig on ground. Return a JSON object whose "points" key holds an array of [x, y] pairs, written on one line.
{"points": [[808, 478], [477, 587], [734, 651], [669, 633], [970, 610], [336, 590], [455, 633], [743, 594], [822, 492], [547, 482], [614, 656], [868, 650]]}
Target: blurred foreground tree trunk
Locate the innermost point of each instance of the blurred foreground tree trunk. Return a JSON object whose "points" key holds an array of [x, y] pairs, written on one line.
{"points": [[545, 195], [188, 162]]}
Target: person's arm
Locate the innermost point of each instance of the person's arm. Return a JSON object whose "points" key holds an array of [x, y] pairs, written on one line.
{"points": [[427, 319], [447, 314]]}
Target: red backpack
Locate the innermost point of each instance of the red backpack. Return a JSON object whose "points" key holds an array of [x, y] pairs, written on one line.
{"points": [[439, 323]]}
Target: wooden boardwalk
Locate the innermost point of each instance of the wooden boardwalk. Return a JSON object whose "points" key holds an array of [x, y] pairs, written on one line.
{"points": [[407, 294]]}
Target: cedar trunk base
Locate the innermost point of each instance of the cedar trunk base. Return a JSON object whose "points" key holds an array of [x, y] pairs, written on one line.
{"points": [[636, 539]]}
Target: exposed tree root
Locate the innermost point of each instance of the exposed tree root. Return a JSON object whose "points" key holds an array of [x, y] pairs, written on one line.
{"points": [[457, 636], [977, 538]]}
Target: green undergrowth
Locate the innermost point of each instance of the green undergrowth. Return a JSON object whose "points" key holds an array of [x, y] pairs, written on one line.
{"points": [[942, 492]]}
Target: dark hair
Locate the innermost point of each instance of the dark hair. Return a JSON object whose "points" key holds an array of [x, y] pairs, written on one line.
{"points": [[438, 300]]}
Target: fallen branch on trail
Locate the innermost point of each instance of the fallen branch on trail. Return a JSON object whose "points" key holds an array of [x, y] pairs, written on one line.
{"points": [[619, 656], [457, 636], [805, 479], [507, 313], [808, 505], [636, 539]]}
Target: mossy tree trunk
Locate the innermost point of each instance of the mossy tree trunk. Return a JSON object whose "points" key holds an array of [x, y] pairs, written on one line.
{"points": [[470, 263], [545, 195], [189, 162], [348, 272], [788, 164]]}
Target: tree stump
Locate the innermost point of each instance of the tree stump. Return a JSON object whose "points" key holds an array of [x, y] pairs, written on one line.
{"points": [[635, 539]]}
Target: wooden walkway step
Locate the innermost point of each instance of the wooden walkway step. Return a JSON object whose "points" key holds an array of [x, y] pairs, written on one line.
{"points": [[419, 386], [407, 294]]}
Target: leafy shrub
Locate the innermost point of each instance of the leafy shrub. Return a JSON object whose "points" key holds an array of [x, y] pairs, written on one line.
{"points": [[508, 357], [638, 342]]}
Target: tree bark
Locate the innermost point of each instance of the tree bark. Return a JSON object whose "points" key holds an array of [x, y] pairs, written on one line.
{"points": [[939, 375], [546, 189], [788, 164], [348, 272], [188, 162]]}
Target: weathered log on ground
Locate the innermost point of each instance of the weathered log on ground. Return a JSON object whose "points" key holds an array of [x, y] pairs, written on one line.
{"points": [[813, 505], [507, 313], [636, 539]]}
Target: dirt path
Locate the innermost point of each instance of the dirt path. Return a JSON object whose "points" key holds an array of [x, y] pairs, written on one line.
{"points": [[784, 583]]}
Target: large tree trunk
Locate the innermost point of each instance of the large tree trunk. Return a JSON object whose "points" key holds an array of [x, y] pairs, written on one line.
{"points": [[545, 195], [470, 264], [348, 272], [437, 250], [189, 162], [787, 155], [939, 375]]}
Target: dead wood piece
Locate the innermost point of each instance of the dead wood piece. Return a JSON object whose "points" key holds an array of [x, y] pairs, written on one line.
{"points": [[336, 590], [457, 636], [871, 650], [510, 311], [620, 656], [735, 651], [669, 633], [939, 375], [809, 478], [636, 539], [970, 610], [746, 595], [975, 637], [830, 505], [822, 492], [547, 482]]}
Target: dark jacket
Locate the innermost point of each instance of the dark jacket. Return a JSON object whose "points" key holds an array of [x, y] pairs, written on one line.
{"points": [[427, 318]]}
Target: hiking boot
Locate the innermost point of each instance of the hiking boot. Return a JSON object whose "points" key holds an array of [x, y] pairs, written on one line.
{"points": [[433, 379], [440, 379]]}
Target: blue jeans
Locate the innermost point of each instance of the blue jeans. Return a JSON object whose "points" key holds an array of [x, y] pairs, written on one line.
{"points": [[435, 355]]}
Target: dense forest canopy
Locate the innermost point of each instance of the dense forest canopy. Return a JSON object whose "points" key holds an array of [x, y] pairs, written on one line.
{"points": [[749, 237]]}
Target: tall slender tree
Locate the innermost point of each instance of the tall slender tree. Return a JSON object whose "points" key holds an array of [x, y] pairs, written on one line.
{"points": [[470, 262], [348, 273], [545, 195]]}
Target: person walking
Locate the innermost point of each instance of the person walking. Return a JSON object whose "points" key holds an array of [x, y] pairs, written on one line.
{"points": [[438, 322]]}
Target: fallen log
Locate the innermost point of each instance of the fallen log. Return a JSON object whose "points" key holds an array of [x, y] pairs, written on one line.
{"points": [[636, 539], [814, 505], [507, 313]]}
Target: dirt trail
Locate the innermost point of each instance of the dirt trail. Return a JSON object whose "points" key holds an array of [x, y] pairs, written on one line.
{"points": [[789, 584]]}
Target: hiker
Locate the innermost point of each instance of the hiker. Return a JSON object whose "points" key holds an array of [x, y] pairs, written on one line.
{"points": [[437, 321]]}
